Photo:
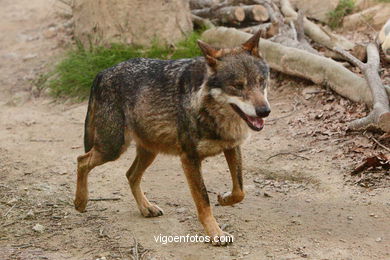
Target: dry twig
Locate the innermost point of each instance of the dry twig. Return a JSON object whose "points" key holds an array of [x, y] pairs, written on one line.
{"points": [[290, 153], [104, 199]]}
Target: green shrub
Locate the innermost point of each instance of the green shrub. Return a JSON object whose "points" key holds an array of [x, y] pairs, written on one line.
{"points": [[344, 8], [73, 76]]}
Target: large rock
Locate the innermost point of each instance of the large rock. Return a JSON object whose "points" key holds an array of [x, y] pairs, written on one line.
{"points": [[364, 4], [137, 22], [316, 9], [375, 16]]}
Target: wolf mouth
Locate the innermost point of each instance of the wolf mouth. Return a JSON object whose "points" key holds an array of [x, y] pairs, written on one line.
{"points": [[255, 123]]}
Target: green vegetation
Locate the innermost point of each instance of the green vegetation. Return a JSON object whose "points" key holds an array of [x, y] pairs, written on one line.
{"points": [[73, 76], [344, 8]]}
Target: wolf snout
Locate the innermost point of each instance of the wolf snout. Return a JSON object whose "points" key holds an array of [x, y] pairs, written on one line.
{"points": [[263, 111]]}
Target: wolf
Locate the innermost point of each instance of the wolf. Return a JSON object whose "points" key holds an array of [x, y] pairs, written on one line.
{"points": [[191, 108]]}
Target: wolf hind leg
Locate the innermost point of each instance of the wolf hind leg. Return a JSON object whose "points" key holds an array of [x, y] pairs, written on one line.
{"points": [[108, 144], [142, 161], [85, 163]]}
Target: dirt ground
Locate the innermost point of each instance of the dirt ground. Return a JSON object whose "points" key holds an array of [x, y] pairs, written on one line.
{"points": [[301, 201]]}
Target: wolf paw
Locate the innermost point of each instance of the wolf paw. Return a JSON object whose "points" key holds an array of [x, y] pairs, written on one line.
{"points": [[80, 205], [228, 198], [151, 211]]}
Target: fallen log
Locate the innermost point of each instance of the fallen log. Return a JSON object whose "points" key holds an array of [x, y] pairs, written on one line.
{"points": [[201, 22], [200, 4], [383, 40], [315, 32], [379, 117], [292, 61], [272, 8], [268, 30], [257, 13], [224, 15], [294, 36]]}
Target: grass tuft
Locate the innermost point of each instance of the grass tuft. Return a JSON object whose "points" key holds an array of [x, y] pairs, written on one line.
{"points": [[73, 76], [344, 8]]}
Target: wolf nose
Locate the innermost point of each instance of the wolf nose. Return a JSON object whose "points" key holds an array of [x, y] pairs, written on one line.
{"points": [[263, 111]]}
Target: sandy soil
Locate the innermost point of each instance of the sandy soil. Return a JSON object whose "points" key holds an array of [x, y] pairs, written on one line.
{"points": [[300, 204]]}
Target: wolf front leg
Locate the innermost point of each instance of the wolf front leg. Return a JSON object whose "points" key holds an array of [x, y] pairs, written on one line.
{"points": [[234, 160], [192, 170]]}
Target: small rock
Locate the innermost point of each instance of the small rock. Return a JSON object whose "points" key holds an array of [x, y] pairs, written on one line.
{"points": [[30, 214], [349, 218], [38, 228], [185, 219], [12, 201], [69, 23], [19, 98], [30, 56], [102, 232], [297, 222], [32, 38], [10, 55], [267, 195], [60, 170], [379, 239], [50, 33], [233, 252], [181, 210], [224, 226]]}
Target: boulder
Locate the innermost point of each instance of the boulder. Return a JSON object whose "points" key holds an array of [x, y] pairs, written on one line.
{"points": [[375, 16], [316, 9], [138, 22]]}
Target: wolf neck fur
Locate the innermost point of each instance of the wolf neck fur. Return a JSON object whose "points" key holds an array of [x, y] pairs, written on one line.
{"points": [[228, 124]]}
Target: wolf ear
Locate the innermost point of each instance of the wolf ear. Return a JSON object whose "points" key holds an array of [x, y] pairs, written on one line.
{"points": [[252, 45], [210, 53]]}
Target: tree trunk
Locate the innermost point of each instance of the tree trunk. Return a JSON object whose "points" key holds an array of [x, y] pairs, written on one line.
{"points": [[223, 15], [379, 117], [257, 13], [200, 4]]}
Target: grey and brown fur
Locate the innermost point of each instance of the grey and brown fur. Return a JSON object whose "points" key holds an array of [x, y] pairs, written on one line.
{"points": [[192, 108]]}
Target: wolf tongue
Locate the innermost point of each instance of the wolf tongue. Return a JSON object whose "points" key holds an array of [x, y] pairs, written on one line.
{"points": [[256, 121]]}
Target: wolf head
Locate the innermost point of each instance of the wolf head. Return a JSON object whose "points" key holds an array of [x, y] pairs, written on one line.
{"points": [[239, 77]]}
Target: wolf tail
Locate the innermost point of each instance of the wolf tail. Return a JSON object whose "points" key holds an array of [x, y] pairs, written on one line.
{"points": [[89, 128]]}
